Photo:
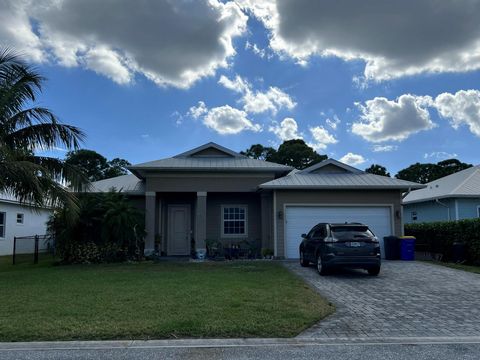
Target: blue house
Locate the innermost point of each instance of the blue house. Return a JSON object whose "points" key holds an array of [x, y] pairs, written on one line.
{"points": [[453, 197]]}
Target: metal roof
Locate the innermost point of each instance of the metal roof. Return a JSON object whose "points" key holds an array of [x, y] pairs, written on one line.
{"points": [[301, 180], [125, 183], [465, 183]]}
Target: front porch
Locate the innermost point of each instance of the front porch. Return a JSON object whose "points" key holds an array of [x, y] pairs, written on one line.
{"points": [[184, 223]]}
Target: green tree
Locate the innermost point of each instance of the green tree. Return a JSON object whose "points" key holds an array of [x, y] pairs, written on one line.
{"points": [[260, 152], [26, 128], [95, 166], [424, 173], [377, 170], [298, 154]]}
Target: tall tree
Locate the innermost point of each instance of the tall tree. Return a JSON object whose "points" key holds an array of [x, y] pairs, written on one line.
{"points": [[424, 173], [116, 167], [260, 152], [95, 166], [298, 154], [377, 170], [26, 128]]}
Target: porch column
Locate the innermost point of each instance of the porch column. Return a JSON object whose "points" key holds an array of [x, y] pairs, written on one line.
{"points": [[265, 219], [150, 213], [201, 221]]}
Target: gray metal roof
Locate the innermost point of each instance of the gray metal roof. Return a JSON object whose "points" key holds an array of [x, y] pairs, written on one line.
{"points": [[301, 180], [126, 183], [465, 183]]}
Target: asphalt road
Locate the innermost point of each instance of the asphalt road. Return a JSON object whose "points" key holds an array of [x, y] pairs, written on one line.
{"points": [[277, 351]]}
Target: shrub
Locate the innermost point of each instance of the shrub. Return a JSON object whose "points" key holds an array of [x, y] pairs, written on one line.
{"points": [[107, 228], [438, 237]]}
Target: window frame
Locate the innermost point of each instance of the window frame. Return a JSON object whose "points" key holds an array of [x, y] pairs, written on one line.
{"points": [[222, 220], [478, 211], [23, 218], [3, 226], [414, 215]]}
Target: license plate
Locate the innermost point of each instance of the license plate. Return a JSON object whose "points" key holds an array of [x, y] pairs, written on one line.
{"points": [[355, 244]]}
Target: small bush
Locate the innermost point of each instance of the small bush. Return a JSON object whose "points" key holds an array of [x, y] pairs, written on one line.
{"points": [[438, 237]]}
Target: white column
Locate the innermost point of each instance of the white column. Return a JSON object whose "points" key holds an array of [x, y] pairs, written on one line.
{"points": [[150, 213], [201, 221]]}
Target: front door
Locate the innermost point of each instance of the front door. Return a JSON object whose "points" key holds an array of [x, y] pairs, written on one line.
{"points": [[178, 230]]}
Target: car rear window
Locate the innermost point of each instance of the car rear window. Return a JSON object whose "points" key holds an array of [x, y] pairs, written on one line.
{"points": [[351, 232]]}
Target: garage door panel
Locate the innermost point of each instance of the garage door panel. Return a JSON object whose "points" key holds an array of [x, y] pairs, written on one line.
{"points": [[300, 219]]}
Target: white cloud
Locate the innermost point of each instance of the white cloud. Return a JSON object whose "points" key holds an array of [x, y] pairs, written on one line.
{"points": [[173, 43], [383, 120], [227, 120], [197, 111], [286, 130], [440, 155], [461, 108], [394, 39], [255, 102], [384, 148], [322, 138], [334, 122], [353, 159]]}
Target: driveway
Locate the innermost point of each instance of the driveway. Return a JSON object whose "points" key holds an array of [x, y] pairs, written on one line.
{"points": [[407, 299]]}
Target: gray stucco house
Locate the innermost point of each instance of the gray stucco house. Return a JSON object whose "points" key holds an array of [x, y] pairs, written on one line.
{"points": [[212, 192], [453, 197]]}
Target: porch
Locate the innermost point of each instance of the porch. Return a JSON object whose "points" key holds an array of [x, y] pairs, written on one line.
{"points": [[182, 223]]}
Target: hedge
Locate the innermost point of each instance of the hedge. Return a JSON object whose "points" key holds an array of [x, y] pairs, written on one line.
{"points": [[438, 237]]}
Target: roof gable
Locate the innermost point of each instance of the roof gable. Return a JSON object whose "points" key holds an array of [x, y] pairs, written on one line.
{"points": [[331, 166], [210, 149]]}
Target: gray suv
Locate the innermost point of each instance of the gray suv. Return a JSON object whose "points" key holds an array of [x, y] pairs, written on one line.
{"points": [[350, 245]]}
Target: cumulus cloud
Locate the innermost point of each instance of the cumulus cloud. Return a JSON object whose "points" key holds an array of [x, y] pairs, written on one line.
{"points": [[198, 110], [227, 120], [333, 122], [255, 101], [286, 130], [461, 108], [393, 38], [383, 120], [352, 159], [173, 43], [439, 155], [322, 138], [384, 148]]}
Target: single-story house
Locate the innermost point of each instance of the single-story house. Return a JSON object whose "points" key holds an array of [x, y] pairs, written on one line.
{"points": [[19, 220], [212, 192], [453, 197]]}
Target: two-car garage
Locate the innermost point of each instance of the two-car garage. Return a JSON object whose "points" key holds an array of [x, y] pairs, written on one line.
{"points": [[300, 219]]}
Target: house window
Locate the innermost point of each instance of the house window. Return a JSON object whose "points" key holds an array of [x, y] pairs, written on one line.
{"points": [[20, 217], [3, 220], [414, 215], [234, 220], [478, 211]]}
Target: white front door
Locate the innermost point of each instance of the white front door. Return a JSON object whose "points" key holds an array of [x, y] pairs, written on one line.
{"points": [[178, 230], [300, 219]]}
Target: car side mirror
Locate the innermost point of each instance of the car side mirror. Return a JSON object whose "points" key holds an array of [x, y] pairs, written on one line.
{"points": [[304, 236]]}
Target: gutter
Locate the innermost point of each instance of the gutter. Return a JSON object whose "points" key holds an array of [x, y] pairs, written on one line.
{"points": [[444, 205]]}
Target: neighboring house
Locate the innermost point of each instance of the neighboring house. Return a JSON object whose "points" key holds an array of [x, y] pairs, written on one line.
{"points": [[214, 193], [453, 197], [20, 220]]}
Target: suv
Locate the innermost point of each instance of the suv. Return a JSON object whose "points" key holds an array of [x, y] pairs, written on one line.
{"points": [[350, 245]]}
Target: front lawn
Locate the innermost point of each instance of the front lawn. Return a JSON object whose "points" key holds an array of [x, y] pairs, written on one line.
{"points": [[152, 301]]}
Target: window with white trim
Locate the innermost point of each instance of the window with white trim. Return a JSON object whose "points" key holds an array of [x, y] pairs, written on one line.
{"points": [[3, 221], [20, 218], [234, 220], [478, 211]]}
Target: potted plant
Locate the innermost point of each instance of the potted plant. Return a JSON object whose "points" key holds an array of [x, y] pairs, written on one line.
{"points": [[267, 253]]}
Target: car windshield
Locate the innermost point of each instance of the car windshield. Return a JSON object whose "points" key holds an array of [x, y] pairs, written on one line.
{"points": [[351, 232]]}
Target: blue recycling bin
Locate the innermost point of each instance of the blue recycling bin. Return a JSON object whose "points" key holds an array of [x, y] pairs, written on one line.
{"points": [[407, 248]]}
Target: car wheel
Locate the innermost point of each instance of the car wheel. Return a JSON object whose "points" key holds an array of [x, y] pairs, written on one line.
{"points": [[303, 262], [322, 269], [374, 271]]}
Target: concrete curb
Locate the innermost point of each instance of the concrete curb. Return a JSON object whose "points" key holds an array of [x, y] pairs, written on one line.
{"points": [[228, 343]]}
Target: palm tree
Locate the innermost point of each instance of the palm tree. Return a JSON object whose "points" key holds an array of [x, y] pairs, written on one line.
{"points": [[26, 128]]}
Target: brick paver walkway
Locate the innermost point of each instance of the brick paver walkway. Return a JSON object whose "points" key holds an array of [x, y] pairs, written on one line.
{"points": [[410, 299]]}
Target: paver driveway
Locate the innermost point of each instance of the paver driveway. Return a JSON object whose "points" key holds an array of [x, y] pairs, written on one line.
{"points": [[407, 299]]}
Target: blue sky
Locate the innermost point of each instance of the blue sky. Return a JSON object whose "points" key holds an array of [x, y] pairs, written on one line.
{"points": [[342, 96]]}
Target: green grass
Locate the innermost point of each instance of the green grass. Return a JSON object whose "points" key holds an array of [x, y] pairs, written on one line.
{"points": [[152, 301], [469, 268]]}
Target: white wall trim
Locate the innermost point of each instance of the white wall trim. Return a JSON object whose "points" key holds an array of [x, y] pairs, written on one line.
{"points": [[391, 206]]}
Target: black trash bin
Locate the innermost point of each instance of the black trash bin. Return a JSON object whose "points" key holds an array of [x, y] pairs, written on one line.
{"points": [[458, 252], [391, 245]]}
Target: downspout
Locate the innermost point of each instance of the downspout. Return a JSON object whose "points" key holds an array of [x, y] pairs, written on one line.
{"points": [[444, 205]]}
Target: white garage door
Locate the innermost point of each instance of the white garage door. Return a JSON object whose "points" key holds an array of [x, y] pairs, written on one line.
{"points": [[300, 219]]}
